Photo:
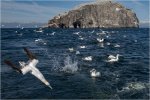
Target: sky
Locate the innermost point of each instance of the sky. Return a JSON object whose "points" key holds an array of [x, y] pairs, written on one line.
{"points": [[40, 11]]}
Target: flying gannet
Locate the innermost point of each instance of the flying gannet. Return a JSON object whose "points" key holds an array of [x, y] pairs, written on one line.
{"points": [[30, 67]]}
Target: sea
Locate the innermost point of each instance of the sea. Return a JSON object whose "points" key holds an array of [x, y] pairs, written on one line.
{"points": [[62, 55]]}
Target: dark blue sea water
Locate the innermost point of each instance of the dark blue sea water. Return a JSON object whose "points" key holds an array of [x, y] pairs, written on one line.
{"points": [[126, 79]]}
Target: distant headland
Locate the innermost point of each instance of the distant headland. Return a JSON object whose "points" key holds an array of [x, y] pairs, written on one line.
{"points": [[102, 14]]}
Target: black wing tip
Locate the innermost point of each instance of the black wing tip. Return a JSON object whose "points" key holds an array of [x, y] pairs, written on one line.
{"points": [[12, 65], [29, 53], [6, 61]]}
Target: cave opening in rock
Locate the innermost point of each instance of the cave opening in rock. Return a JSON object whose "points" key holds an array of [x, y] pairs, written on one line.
{"points": [[77, 24]]}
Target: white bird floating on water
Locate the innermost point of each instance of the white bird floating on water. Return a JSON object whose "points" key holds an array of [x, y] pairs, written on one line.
{"points": [[89, 58], [30, 67], [102, 33], [40, 30], [100, 40], [71, 49], [22, 28], [82, 47], [81, 38], [116, 45], [38, 40], [113, 58], [93, 31], [53, 33], [77, 33], [94, 73]]}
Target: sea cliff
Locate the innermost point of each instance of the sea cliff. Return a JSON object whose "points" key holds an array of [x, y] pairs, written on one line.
{"points": [[107, 14]]}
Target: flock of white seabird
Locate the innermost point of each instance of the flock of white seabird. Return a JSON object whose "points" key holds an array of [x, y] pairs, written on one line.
{"points": [[30, 66], [111, 58]]}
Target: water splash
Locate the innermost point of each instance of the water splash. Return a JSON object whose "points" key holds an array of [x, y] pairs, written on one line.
{"points": [[56, 65], [69, 65]]}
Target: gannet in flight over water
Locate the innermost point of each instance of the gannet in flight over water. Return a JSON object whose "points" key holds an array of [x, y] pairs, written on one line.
{"points": [[30, 67]]}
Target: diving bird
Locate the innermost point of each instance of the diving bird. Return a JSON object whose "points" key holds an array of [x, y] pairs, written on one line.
{"points": [[112, 58], [94, 73], [29, 67]]}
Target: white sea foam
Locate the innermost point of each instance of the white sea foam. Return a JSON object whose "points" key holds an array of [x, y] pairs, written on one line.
{"points": [[134, 86], [40, 41]]}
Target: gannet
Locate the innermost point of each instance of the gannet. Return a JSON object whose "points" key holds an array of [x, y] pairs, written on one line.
{"points": [[77, 33], [94, 73], [113, 58], [100, 40], [82, 47], [22, 28], [93, 31], [53, 33], [102, 33], [71, 49], [81, 38], [116, 45], [30, 67], [40, 30], [89, 58]]}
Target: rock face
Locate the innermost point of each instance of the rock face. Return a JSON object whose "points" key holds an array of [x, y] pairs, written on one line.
{"points": [[98, 14]]}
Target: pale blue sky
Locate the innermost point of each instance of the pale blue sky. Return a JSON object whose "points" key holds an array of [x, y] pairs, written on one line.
{"points": [[26, 11]]}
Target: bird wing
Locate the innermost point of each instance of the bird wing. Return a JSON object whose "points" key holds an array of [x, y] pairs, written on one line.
{"points": [[12, 66], [111, 57], [29, 54]]}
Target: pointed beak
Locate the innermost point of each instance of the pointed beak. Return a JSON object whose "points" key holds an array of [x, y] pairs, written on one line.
{"points": [[49, 86]]}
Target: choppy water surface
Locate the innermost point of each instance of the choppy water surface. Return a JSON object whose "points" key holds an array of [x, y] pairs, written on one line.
{"points": [[62, 54]]}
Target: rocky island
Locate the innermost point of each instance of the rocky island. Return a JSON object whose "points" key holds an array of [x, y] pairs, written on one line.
{"points": [[101, 14]]}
